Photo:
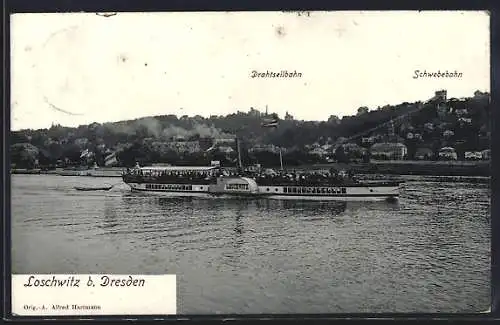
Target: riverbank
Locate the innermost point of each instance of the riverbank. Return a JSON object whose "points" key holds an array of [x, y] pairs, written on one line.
{"points": [[100, 172], [422, 168]]}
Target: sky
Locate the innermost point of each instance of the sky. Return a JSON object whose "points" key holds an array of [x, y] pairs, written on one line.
{"points": [[79, 68]]}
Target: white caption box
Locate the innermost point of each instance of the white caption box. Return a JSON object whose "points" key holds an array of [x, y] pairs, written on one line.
{"points": [[93, 294]]}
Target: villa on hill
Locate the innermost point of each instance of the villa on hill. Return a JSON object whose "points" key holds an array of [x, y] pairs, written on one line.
{"points": [[389, 151]]}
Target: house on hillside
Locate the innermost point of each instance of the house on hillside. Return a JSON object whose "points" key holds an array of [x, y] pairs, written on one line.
{"points": [[178, 138], [353, 150], [389, 151], [447, 153], [461, 112], [448, 133], [473, 155], [465, 120], [352, 147], [424, 154], [265, 148], [159, 146], [81, 142], [368, 140], [320, 152], [429, 127], [185, 146], [341, 139]]}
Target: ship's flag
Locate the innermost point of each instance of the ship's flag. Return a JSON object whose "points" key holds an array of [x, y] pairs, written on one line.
{"points": [[85, 153], [110, 159]]}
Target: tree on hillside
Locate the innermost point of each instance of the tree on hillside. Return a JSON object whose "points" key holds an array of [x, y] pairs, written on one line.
{"points": [[362, 110], [72, 152], [340, 155], [334, 119], [24, 155]]}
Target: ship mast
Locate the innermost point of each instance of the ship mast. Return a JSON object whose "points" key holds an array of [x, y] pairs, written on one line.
{"points": [[274, 122], [240, 165], [281, 160]]}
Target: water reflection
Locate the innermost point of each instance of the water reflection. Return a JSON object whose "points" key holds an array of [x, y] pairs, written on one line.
{"points": [[168, 201], [233, 257], [110, 220], [239, 225], [211, 204]]}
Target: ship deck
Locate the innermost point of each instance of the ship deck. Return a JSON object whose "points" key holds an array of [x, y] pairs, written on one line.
{"points": [[331, 184], [274, 183]]}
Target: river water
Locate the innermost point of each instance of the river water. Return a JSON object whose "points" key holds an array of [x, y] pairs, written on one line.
{"points": [[429, 252]]}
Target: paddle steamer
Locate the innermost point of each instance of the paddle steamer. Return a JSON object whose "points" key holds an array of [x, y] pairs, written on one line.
{"points": [[214, 181]]}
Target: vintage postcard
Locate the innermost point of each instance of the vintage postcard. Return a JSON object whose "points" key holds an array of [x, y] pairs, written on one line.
{"points": [[250, 163]]}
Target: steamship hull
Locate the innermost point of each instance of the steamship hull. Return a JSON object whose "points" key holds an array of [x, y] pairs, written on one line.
{"points": [[241, 187], [358, 192], [171, 189]]}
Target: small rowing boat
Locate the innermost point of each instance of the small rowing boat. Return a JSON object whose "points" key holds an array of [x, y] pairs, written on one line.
{"points": [[102, 188]]}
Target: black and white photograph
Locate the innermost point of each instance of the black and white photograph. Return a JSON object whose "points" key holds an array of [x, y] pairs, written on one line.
{"points": [[286, 162]]}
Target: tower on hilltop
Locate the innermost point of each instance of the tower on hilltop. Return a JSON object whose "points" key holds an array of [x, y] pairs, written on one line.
{"points": [[441, 95]]}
